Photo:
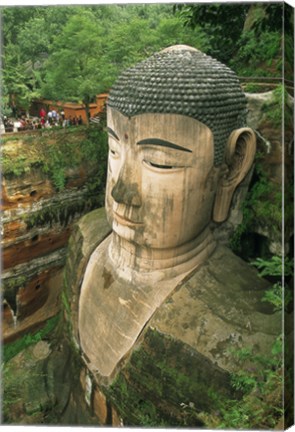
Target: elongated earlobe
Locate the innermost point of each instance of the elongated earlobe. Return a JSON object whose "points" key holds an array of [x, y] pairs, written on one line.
{"points": [[239, 157]]}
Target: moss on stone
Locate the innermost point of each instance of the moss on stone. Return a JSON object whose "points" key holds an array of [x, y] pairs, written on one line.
{"points": [[56, 151], [164, 381], [62, 212], [262, 208], [12, 349]]}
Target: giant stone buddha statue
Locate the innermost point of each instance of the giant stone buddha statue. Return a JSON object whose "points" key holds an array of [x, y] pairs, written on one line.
{"points": [[178, 148]]}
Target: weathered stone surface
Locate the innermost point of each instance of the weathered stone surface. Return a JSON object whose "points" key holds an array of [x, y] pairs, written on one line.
{"points": [[116, 419], [185, 356], [41, 350], [162, 380], [27, 300], [118, 311], [182, 358], [32, 321], [38, 245], [24, 190], [24, 380], [88, 233], [100, 406], [41, 386], [38, 218], [57, 375], [219, 308], [276, 156]]}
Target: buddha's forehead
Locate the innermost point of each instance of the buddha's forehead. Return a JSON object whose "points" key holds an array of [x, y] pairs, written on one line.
{"points": [[173, 127]]}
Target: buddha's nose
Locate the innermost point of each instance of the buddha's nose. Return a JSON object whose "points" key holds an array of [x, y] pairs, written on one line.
{"points": [[127, 188]]}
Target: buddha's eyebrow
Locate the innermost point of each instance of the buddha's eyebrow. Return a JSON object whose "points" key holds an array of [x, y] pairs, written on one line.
{"points": [[110, 131], [163, 143]]}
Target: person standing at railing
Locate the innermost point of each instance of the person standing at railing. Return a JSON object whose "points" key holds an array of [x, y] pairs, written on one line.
{"points": [[42, 113]]}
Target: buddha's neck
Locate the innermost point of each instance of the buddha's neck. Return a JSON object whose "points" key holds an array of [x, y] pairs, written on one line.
{"points": [[146, 265]]}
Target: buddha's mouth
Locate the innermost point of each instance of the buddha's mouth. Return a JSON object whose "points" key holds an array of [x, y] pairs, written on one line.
{"points": [[122, 220]]}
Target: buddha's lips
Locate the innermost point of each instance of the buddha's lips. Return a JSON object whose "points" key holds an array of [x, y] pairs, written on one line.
{"points": [[122, 220]]}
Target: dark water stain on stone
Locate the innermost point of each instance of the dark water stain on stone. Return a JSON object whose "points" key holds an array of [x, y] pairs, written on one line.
{"points": [[107, 278]]}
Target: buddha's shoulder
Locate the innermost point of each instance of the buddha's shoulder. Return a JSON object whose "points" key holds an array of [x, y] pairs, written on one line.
{"points": [[227, 279], [217, 309], [227, 272], [224, 295]]}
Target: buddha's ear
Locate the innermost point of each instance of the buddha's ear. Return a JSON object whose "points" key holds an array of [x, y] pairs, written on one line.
{"points": [[239, 157]]}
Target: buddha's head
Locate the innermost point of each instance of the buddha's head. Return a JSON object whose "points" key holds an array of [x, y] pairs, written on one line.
{"points": [[178, 147]]}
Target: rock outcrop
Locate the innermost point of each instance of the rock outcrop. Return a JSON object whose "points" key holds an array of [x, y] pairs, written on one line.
{"points": [[270, 183], [50, 179]]}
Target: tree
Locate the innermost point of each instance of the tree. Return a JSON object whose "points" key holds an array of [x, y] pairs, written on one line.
{"points": [[27, 36], [147, 30], [73, 68], [19, 82], [247, 37], [72, 53], [13, 18], [223, 24]]}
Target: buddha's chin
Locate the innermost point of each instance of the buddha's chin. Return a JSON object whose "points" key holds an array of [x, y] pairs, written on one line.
{"points": [[135, 235], [125, 232]]}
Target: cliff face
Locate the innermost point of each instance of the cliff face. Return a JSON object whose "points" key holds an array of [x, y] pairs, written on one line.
{"points": [[254, 226], [49, 180]]}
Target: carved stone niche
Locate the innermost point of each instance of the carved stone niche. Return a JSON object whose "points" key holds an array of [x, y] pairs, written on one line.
{"points": [[159, 283]]}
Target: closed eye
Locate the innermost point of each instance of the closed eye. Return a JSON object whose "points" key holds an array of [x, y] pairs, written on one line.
{"points": [[160, 166]]}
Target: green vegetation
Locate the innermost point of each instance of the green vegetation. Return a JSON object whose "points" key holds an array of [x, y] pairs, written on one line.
{"points": [[14, 282], [261, 405], [258, 56], [274, 267], [163, 382], [252, 88], [246, 37], [57, 151], [73, 69], [262, 206], [12, 384], [81, 49], [275, 111], [63, 213], [66, 304], [12, 349], [260, 378], [222, 24], [280, 297]]}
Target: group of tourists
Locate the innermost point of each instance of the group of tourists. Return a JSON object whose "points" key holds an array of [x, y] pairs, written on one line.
{"points": [[55, 118], [45, 120], [16, 124]]}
